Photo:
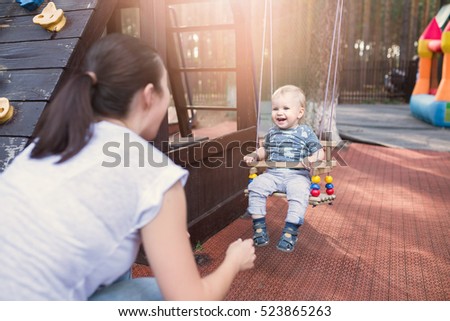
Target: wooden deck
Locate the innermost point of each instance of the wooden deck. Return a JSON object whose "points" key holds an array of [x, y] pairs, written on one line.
{"points": [[385, 238]]}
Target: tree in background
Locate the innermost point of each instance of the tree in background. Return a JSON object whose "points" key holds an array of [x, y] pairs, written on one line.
{"points": [[380, 37], [382, 24]]}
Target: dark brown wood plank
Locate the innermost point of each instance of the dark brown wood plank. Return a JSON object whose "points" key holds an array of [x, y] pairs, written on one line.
{"points": [[19, 29], [212, 181], [70, 5], [217, 219], [37, 54], [23, 85], [9, 8], [215, 194], [26, 115], [97, 25], [10, 147], [152, 25], [215, 189], [245, 96], [243, 139], [176, 83]]}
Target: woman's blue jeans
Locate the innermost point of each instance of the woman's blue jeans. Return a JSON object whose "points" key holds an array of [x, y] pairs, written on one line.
{"points": [[127, 289]]}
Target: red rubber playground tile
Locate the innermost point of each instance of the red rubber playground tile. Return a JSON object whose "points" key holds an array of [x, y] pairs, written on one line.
{"points": [[386, 237]]}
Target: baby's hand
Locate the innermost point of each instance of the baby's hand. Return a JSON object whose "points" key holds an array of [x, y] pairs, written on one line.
{"points": [[250, 158]]}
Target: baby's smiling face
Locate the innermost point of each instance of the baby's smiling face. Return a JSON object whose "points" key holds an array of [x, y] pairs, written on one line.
{"points": [[286, 113]]}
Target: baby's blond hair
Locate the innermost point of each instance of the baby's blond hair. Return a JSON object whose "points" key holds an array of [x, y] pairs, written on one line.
{"points": [[296, 93]]}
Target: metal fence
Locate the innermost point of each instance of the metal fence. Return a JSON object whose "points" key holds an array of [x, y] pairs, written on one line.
{"points": [[377, 81]]}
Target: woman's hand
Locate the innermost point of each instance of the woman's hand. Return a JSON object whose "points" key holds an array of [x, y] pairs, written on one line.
{"points": [[242, 254]]}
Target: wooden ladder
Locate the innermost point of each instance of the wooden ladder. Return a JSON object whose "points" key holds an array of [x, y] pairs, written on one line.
{"points": [[177, 70]]}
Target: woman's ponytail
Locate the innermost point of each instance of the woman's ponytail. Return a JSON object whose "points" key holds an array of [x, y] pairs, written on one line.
{"points": [[116, 67], [65, 126]]}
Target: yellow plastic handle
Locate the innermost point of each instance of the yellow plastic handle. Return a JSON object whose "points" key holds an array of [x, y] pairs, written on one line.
{"points": [[6, 110], [51, 18]]}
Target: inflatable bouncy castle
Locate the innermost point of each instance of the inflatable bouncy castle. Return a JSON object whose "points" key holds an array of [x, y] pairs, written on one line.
{"points": [[430, 100]]}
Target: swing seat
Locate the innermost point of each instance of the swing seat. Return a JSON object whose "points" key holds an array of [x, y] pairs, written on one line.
{"points": [[322, 167], [314, 201]]}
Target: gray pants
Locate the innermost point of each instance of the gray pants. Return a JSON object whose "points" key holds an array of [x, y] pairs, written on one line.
{"points": [[292, 182]]}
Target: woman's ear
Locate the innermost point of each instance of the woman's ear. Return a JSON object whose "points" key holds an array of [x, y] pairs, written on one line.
{"points": [[149, 93]]}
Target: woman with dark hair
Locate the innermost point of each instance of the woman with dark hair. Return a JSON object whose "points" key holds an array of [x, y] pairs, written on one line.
{"points": [[77, 203]]}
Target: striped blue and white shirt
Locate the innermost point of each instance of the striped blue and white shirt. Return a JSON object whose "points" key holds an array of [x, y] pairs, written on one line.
{"points": [[290, 145]]}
